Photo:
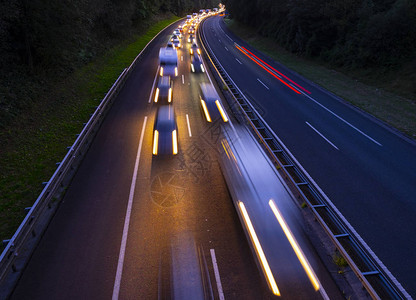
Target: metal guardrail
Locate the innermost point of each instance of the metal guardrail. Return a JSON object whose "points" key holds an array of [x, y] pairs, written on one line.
{"points": [[375, 277], [20, 247]]}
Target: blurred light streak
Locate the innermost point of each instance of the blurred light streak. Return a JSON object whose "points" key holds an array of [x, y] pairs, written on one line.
{"points": [[299, 86], [204, 106], [223, 115], [304, 262], [174, 142], [155, 142], [259, 250], [268, 71]]}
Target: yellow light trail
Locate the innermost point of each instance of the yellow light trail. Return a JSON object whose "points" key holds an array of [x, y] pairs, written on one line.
{"points": [[223, 115], [174, 142], [259, 250], [204, 106], [304, 262], [155, 142]]}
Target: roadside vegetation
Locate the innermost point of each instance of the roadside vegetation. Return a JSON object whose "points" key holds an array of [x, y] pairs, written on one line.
{"points": [[57, 61], [376, 94], [37, 138]]}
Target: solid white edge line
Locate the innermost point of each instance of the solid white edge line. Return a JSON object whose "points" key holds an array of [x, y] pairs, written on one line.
{"points": [[343, 120], [238, 61], [227, 36], [263, 84], [153, 86], [189, 126], [183, 79], [117, 282], [332, 205], [217, 274], [322, 136], [334, 114], [225, 33]]}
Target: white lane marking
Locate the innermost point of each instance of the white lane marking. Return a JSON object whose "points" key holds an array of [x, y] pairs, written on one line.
{"points": [[379, 262], [343, 120], [117, 282], [225, 33], [219, 40], [189, 126], [153, 86], [181, 57], [322, 136], [217, 274], [263, 84], [239, 61], [183, 79], [337, 116], [226, 48]]}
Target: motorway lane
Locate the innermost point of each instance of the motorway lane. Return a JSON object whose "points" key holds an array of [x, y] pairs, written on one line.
{"points": [[364, 168], [290, 276], [78, 254]]}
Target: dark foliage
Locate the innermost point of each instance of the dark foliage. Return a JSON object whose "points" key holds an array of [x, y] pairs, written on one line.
{"points": [[352, 33], [44, 39]]}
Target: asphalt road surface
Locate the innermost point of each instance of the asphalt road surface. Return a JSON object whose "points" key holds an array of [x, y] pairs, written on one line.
{"points": [[135, 226], [367, 169]]}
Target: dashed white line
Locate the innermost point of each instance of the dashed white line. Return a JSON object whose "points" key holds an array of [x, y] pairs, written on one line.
{"points": [[217, 274], [117, 282], [189, 126], [263, 84], [183, 79], [226, 48], [239, 61], [219, 40], [322, 136], [346, 122]]}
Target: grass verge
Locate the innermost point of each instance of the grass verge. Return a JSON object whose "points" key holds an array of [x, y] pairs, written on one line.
{"points": [[395, 110], [34, 142]]}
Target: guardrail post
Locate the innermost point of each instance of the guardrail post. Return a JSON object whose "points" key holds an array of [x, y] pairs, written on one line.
{"points": [[312, 194]]}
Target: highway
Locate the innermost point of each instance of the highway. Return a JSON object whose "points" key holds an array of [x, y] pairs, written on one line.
{"points": [[136, 226], [367, 169]]}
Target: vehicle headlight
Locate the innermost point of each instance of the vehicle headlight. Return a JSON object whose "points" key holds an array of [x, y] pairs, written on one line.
{"points": [[174, 142], [157, 94], [176, 71], [221, 110], [155, 142], [170, 95], [161, 71], [202, 68], [204, 107], [192, 68]]}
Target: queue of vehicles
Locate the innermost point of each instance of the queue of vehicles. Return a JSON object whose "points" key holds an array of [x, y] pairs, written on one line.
{"points": [[250, 176], [165, 129]]}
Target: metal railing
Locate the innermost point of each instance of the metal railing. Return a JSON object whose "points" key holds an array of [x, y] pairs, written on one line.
{"points": [[375, 277], [20, 247]]}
